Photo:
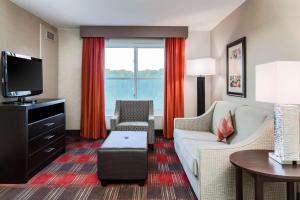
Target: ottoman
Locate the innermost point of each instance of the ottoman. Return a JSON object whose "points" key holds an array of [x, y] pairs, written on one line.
{"points": [[123, 157]]}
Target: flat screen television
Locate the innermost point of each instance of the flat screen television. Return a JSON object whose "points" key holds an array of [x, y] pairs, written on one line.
{"points": [[22, 76]]}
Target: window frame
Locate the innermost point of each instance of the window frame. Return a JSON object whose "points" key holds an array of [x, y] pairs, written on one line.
{"points": [[135, 77]]}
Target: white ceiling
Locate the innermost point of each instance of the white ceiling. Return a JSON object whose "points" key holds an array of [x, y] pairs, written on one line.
{"points": [[197, 14]]}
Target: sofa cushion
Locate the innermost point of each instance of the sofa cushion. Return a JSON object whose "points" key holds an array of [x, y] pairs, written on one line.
{"points": [[221, 108], [247, 121], [195, 135], [132, 126], [189, 150]]}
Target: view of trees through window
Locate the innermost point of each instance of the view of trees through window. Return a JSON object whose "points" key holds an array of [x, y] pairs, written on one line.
{"points": [[134, 73]]}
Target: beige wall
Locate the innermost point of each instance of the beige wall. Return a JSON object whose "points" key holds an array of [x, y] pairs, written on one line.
{"points": [[197, 46], [70, 50], [21, 33], [49, 54], [272, 29], [69, 78]]}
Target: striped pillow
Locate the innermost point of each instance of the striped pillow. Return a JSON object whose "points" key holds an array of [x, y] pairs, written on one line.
{"points": [[225, 127]]}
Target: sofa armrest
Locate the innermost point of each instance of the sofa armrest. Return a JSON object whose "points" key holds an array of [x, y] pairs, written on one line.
{"points": [[215, 169], [201, 123]]}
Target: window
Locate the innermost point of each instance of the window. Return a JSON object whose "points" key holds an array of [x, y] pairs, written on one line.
{"points": [[134, 69]]}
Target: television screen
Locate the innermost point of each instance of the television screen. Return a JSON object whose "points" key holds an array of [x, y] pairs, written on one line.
{"points": [[22, 75]]}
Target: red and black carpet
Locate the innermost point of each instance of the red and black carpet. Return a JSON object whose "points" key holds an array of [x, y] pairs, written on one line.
{"points": [[73, 176]]}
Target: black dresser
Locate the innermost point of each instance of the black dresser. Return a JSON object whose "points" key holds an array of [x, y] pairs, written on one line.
{"points": [[31, 136]]}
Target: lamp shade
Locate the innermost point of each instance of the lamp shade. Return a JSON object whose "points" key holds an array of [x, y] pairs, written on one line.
{"points": [[200, 67], [278, 82]]}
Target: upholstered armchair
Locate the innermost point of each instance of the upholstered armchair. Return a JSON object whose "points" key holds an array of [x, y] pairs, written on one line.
{"points": [[134, 115]]}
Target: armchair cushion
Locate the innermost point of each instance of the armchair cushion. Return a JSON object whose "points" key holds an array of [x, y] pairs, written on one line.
{"points": [[133, 123], [132, 126]]}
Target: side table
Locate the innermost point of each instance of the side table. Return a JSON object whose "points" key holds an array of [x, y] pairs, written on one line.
{"points": [[263, 169]]}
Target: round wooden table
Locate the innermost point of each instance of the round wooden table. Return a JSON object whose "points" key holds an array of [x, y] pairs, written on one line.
{"points": [[263, 169]]}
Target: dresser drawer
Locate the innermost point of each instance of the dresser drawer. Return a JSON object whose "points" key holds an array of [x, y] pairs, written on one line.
{"points": [[45, 139], [47, 124], [42, 156]]}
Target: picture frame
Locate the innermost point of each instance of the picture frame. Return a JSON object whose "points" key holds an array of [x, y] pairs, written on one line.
{"points": [[236, 68]]}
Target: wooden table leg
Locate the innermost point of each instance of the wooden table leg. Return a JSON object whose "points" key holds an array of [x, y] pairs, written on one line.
{"points": [[290, 191], [259, 188], [239, 183]]}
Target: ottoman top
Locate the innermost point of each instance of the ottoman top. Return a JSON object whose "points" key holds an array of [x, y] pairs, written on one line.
{"points": [[126, 139]]}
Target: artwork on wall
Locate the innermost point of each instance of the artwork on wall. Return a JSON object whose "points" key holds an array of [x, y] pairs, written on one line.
{"points": [[236, 68]]}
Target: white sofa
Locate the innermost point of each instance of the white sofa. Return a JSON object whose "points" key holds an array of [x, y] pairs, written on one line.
{"points": [[206, 161]]}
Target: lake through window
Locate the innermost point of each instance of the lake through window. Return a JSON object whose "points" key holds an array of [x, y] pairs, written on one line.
{"points": [[134, 70]]}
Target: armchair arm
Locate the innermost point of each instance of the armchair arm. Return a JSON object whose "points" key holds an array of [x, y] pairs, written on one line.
{"points": [[200, 123], [151, 118], [114, 121], [215, 169], [116, 118], [151, 135], [151, 115]]}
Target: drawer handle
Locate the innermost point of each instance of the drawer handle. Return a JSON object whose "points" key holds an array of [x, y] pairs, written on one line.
{"points": [[49, 124], [49, 137], [49, 150]]}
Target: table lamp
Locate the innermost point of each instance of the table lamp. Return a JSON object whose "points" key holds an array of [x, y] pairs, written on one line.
{"points": [[200, 68], [279, 83]]}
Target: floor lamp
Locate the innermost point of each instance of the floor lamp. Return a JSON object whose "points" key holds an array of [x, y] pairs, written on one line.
{"points": [[278, 82], [200, 68]]}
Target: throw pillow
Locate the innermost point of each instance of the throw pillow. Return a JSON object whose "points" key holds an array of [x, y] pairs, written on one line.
{"points": [[225, 127]]}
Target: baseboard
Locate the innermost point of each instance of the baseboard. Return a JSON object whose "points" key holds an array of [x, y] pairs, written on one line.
{"points": [[72, 132], [158, 132]]}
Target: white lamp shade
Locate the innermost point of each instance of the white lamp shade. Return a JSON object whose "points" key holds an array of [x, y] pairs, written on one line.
{"points": [[200, 67], [278, 82]]}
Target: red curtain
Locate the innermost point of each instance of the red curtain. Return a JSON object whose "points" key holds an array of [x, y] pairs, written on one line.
{"points": [[92, 105], [174, 77]]}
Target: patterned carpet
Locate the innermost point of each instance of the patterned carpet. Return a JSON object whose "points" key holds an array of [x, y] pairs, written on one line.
{"points": [[73, 176]]}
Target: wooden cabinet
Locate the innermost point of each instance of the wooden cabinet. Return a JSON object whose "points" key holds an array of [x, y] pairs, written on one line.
{"points": [[31, 136]]}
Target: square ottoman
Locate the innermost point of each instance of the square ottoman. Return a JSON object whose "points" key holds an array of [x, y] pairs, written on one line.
{"points": [[123, 157]]}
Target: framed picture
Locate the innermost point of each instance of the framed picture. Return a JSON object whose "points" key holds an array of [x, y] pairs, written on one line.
{"points": [[236, 68]]}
